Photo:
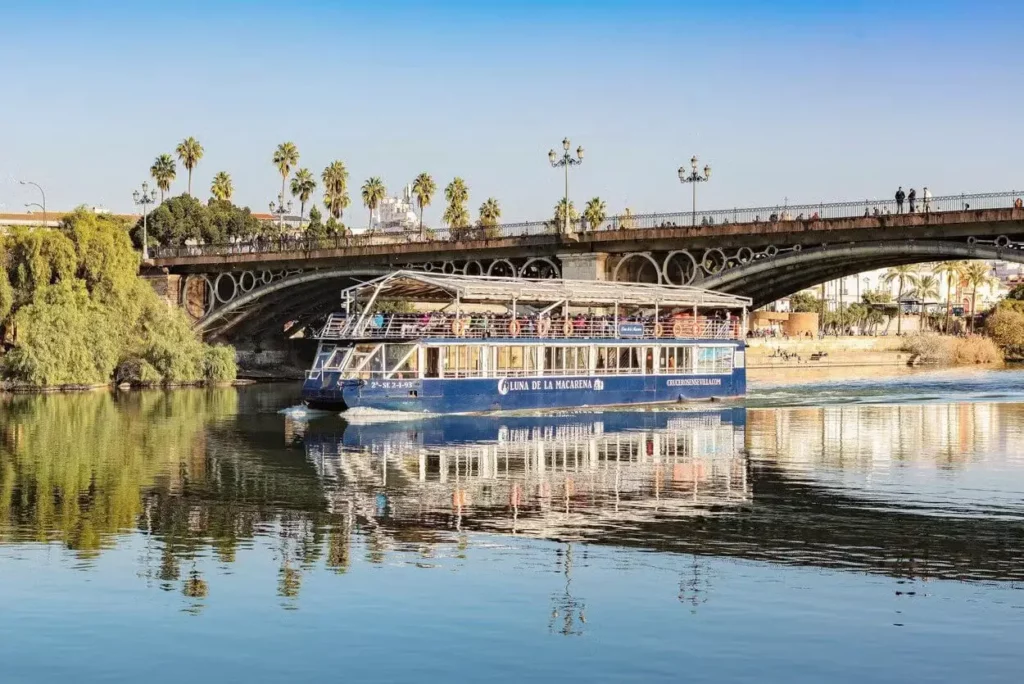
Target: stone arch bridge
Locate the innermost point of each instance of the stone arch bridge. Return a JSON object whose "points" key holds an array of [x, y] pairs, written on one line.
{"points": [[237, 291]]}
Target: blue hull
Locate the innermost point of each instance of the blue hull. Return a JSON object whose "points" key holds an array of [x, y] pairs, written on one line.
{"points": [[473, 395]]}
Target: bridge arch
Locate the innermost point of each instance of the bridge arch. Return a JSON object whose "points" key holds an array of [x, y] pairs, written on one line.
{"points": [[765, 280], [626, 258]]}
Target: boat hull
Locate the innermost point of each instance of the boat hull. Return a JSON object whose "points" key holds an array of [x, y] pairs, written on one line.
{"points": [[475, 395]]}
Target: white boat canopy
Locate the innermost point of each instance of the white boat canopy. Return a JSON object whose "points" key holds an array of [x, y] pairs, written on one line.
{"points": [[416, 286]]}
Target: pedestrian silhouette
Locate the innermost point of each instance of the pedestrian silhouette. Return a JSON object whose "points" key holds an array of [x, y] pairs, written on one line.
{"points": [[900, 196], [912, 197]]}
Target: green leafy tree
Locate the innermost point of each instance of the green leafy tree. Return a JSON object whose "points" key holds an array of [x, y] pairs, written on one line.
{"points": [[1006, 327], [335, 227], [285, 157], [230, 221], [977, 274], [594, 213], [163, 172], [221, 187], [335, 180], [456, 215], [315, 229], [373, 193], [303, 186], [189, 153], [804, 302], [953, 272], [902, 275], [423, 187]]}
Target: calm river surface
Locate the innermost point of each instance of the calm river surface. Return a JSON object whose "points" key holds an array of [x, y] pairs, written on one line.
{"points": [[832, 532]]}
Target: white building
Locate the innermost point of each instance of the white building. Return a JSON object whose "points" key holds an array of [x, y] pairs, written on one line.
{"points": [[395, 214]]}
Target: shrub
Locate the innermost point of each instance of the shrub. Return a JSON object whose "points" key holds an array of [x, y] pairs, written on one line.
{"points": [[219, 364], [953, 350]]}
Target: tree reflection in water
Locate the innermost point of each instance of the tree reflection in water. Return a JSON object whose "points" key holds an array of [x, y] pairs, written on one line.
{"points": [[203, 476]]}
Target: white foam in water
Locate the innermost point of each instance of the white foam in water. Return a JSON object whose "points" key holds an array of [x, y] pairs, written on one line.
{"points": [[302, 412], [362, 415]]}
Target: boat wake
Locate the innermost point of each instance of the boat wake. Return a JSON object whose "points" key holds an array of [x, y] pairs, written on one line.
{"points": [[362, 415]]}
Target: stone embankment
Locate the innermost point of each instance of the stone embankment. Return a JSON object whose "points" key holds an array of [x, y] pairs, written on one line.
{"points": [[800, 353]]}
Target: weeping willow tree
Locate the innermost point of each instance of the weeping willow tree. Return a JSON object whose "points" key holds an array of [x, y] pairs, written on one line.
{"points": [[73, 311]]}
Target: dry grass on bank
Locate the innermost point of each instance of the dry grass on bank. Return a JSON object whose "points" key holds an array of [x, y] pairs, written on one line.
{"points": [[953, 350]]}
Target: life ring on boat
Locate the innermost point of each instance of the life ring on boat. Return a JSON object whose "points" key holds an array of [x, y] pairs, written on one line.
{"points": [[513, 328], [543, 327], [659, 330], [459, 327], [677, 329], [567, 328]]}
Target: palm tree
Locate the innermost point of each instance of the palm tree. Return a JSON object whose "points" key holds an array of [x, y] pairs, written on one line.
{"points": [[189, 152], [221, 187], [455, 214], [977, 274], [559, 219], [303, 186], [954, 272], [335, 179], [424, 188], [163, 172], [373, 192], [490, 212], [927, 288], [594, 213], [285, 157], [902, 275]]}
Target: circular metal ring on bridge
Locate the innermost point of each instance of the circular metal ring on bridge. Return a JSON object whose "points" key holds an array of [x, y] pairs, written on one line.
{"points": [[687, 270], [266, 277], [714, 261], [971, 241], [771, 250], [797, 248], [208, 298], [448, 268], [744, 255], [502, 267], [428, 267], [217, 287], [540, 268], [1002, 242], [247, 281], [473, 268]]}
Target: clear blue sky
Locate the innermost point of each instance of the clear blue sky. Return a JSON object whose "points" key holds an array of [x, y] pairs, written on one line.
{"points": [[805, 100]]}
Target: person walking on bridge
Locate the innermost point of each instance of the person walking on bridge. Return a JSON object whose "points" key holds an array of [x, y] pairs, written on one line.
{"points": [[912, 198], [900, 196], [927, 194]]}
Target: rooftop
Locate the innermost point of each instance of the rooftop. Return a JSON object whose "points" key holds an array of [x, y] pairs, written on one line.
{"points": [[428, 287]]}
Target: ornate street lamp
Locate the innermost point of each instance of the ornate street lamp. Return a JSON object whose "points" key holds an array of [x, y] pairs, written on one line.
{"points": [[566, 160], [145, 198], [693, 178], [280, 209]]}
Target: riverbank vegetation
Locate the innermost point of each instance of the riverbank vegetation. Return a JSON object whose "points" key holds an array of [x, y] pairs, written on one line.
{"points": [[949, 350], [74, 312]]}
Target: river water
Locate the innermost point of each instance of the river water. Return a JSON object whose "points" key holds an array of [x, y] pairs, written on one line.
{"points": [[846, 532]]}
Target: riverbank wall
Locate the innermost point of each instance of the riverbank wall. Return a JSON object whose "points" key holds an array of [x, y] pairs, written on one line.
{"points": [[825, 353]]}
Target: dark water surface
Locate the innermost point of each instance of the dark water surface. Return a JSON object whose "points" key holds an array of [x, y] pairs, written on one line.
{"points": [[840, 532]]}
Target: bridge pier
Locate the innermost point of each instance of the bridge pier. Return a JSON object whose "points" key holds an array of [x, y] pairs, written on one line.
{"points": [[167, 285], [585, 266]]}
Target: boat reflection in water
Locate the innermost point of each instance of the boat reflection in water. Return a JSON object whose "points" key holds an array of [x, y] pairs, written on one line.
{"points": [[557, 477]]}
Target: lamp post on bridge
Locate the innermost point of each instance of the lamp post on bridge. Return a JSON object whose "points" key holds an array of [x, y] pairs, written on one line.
{"points": [[144, 199], [41, 192], [280, 209], [693, 178], [566, 160]]}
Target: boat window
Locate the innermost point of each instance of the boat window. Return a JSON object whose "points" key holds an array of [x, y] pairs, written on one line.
{"points": [[516, 361], [461, 361], [401, 360], [629, 360], [433, 362], [714, 360], [676, 360], [554, 360], [607, 359]]}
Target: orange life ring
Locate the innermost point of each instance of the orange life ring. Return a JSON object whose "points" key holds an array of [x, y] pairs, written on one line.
{"points": [[544, 327], [513, 328], [659, 330], [677, 329], [567, 328]]}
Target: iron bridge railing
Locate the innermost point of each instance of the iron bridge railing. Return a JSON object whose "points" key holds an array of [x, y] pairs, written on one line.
{"points": [[750, 215]]}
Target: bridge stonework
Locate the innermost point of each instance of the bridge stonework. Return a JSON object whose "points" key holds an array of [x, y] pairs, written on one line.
{"points": [[230, 291]]}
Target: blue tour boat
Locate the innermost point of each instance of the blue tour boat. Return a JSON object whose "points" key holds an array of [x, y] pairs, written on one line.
{"points": [[478, 343]]}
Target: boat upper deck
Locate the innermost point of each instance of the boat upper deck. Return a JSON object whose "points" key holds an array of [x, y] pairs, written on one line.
{"points": [[533, 309]]}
